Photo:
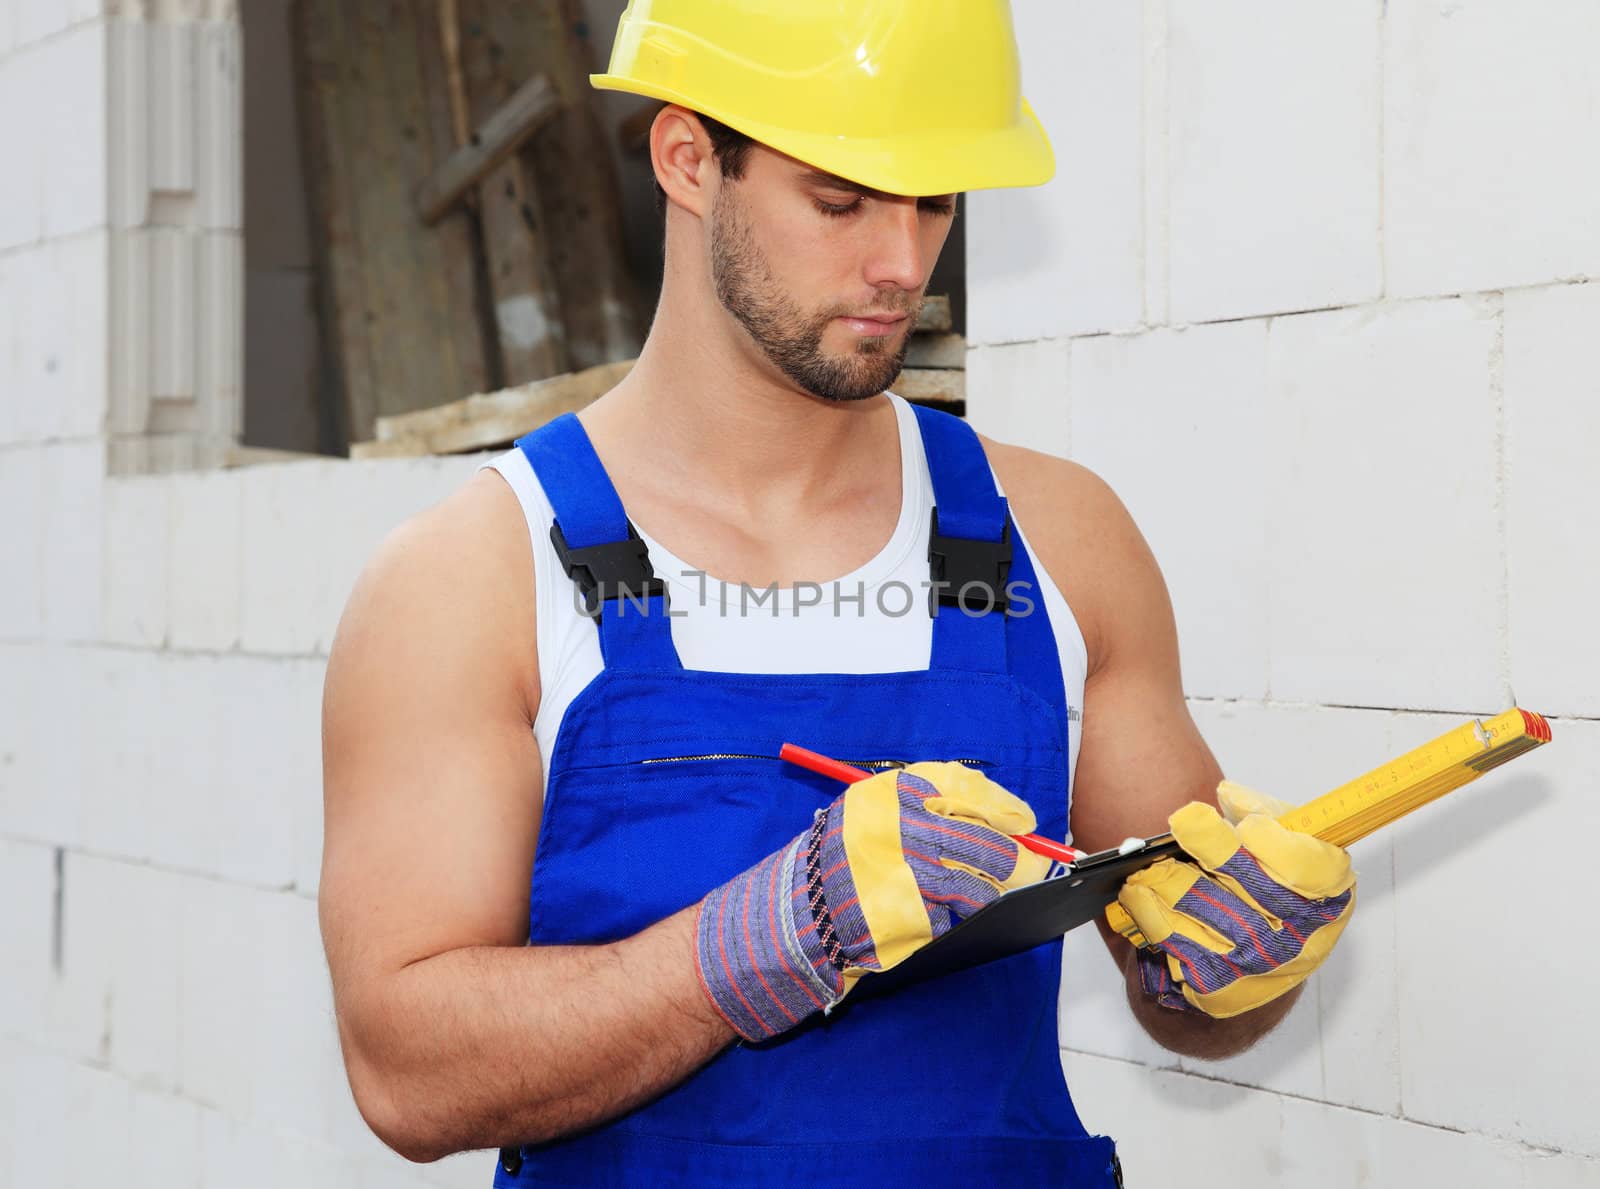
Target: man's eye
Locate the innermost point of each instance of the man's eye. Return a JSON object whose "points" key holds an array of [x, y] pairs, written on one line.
{"points": [[840, 209], [938, 206]]}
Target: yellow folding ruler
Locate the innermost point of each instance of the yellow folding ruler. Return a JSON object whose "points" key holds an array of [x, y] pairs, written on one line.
{"points": [[1369, 802]]}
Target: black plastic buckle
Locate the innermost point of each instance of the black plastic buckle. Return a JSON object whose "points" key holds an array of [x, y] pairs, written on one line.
{"points": [[614, 570], [968, 573], [511, 1160]]}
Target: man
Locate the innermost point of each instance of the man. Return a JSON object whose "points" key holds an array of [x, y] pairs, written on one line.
{"points": [[609, 699]]}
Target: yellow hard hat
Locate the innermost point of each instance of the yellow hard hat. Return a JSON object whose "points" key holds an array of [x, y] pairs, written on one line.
{"points": [[911, 97]]}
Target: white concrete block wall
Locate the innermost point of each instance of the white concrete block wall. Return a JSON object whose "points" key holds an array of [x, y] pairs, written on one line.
{"points": [[1272, 182], [1492, 145], [1370, 481], [1552, 399], [1063, 259]]}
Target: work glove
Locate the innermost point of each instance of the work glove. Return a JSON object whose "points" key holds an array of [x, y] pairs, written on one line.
{"points": [[1254, 914], [895, 861]]}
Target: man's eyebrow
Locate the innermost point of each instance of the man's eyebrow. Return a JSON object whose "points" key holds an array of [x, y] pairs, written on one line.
{"points": [[818, 177]]}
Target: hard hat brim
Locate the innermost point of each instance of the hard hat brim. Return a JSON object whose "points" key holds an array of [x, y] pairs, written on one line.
{"points": [[938, 161]]}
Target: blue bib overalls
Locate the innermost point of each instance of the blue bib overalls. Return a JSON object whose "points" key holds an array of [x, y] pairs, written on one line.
{"points": [[665, 782]]}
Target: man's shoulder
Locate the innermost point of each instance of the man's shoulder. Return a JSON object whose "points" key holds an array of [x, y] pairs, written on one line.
{"points": [[1082, 535], [454, 580]]}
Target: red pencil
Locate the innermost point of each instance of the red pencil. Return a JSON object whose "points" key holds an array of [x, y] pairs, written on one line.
{"points": [[849, 774]]}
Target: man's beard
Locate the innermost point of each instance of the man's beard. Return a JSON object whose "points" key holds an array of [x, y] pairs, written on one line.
{"points": [[788, 336]]}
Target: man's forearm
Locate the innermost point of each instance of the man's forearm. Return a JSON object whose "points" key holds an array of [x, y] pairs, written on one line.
{"points": [[490, 1046], [1193, 1034]]}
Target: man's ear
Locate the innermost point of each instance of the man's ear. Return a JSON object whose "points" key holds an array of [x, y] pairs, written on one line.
{"points": [[680, 153]]}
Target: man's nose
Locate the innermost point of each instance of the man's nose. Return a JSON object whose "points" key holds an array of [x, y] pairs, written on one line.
{"points": [[896, 257]]}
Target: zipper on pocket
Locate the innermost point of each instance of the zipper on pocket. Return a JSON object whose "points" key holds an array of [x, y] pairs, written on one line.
{"points": [[877, 765]]}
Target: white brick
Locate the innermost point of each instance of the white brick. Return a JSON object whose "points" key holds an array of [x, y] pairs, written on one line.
{"points": [[21, 543], [165, 1150], [207, 561], [58, 341], [13, 292], [224, 987], [1227, 1136], [72, 380], [1336, 1149], [1018, 393], [298, 767], [22, 197], [273, 765], [43, 782], [310, 527], [1491, 146], [1152, 1114], [71, 111], [73, 519], [1552, 396], [27, 889], [137, 545], [1560, 1170], [12, 1056], [288, 521], [1385, 555], [1065, 258], [143, 905], [192, 770], [1272, 156], [1492, 967], [1176, 422], [70, 1117], [131, 809], [38, 19], [247, 1155], [77, 1016], [20, 665], [298, 1039]]}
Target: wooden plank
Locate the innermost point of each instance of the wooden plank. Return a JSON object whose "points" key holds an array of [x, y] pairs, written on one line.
{"points": [[490, 419], [501, 135], [579, 206], [935, 316], [318, 51], [527, 313], [937, 350], [943, 385], [402, 316]]}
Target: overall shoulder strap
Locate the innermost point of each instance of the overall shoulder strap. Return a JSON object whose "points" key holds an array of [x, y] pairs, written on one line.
{"points": [[989, 611], [600, 550]]}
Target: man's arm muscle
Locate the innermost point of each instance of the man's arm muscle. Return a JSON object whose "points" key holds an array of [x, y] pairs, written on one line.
{"points": [[456, 1034], [1140, 754]]}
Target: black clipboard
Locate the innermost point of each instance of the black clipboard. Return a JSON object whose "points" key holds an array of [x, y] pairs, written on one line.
{"points": [[1025, 918]]}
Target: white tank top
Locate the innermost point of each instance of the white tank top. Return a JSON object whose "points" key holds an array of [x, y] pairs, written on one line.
{"points": [[871, 620]]}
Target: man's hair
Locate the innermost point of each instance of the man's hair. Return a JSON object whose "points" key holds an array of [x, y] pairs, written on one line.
{"points": [[728, 145]]}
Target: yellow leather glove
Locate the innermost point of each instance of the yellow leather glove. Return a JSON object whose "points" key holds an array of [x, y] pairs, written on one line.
{"points": [[1255, 913]]}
